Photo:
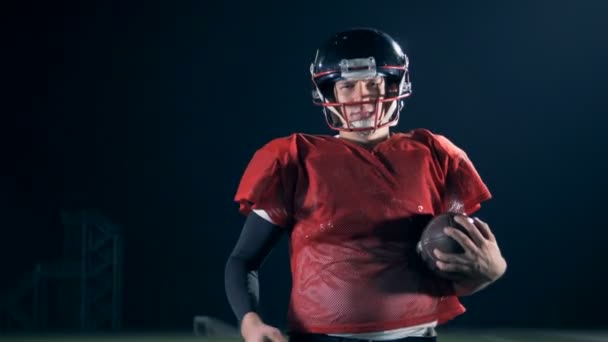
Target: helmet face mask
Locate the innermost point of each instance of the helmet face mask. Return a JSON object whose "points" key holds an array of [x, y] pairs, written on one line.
{"points": [[360, 57]]}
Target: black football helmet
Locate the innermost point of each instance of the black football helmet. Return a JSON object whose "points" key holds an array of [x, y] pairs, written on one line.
{"points": [[357, 54]]}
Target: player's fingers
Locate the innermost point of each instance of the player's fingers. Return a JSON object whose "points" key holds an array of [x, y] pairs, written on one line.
{"points": [[272, 338], [452, 267], [276, 336], [485, 229], [469, 226], [450, 258], [461, 238]]}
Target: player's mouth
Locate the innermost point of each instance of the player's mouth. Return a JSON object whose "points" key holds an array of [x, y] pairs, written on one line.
{"points": [[361, 115]]}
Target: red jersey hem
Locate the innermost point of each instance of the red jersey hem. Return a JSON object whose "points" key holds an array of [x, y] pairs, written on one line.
{"points": [[370, 327]]}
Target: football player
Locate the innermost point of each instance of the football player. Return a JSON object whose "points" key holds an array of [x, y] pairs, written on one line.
{"points": [[354, 205]]}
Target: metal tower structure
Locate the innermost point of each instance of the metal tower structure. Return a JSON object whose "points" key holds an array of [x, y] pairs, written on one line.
{"points": [[81, 291]]}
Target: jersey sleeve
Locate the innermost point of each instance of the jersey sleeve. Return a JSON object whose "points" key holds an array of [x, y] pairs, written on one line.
{"points": [[465, 190], [268, 183]]}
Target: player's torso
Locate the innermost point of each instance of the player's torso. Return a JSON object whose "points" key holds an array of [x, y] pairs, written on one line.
{"points": [[358, 216], [347, 191]]}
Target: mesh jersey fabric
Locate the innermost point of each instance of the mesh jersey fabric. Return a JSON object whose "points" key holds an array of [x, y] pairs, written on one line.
{"points": [[354, 217]]}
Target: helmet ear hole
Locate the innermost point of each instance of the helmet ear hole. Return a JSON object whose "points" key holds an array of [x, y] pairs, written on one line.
{"points": [[392, 87], [328, 90]]}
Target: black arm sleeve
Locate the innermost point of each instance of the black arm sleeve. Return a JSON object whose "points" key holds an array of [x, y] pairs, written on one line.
{"points": [[257, 239]]}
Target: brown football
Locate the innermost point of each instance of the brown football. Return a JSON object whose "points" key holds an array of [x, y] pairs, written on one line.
{"points": [[433, 237]]}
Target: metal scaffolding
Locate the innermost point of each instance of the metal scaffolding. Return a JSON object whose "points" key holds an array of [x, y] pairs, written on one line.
{"points": [[81, 291]]}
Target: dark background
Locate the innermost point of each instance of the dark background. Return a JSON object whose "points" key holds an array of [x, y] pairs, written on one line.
{"points": [[150, 111]]}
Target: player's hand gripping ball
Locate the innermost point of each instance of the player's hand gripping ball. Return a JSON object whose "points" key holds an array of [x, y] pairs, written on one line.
{"points": [[434, 237], [458, 247]]}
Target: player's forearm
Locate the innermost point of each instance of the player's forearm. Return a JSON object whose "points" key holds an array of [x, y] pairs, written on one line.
{"points": [[257, 239], [464, 288], [467, 287], [242, 287]]}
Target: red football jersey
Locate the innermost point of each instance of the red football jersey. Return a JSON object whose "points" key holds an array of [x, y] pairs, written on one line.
{"points": [[355, 216]]}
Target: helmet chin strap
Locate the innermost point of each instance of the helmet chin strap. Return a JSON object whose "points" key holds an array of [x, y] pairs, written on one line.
{"points": [[365, 124], [385, 115]]}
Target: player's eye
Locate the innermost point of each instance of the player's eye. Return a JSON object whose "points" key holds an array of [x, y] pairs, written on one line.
{"points": [[374, 82]]}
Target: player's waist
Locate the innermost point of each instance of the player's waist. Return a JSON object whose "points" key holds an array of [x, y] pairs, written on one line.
{"points": [[324, 313], [420, 330], [308, 337]]}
